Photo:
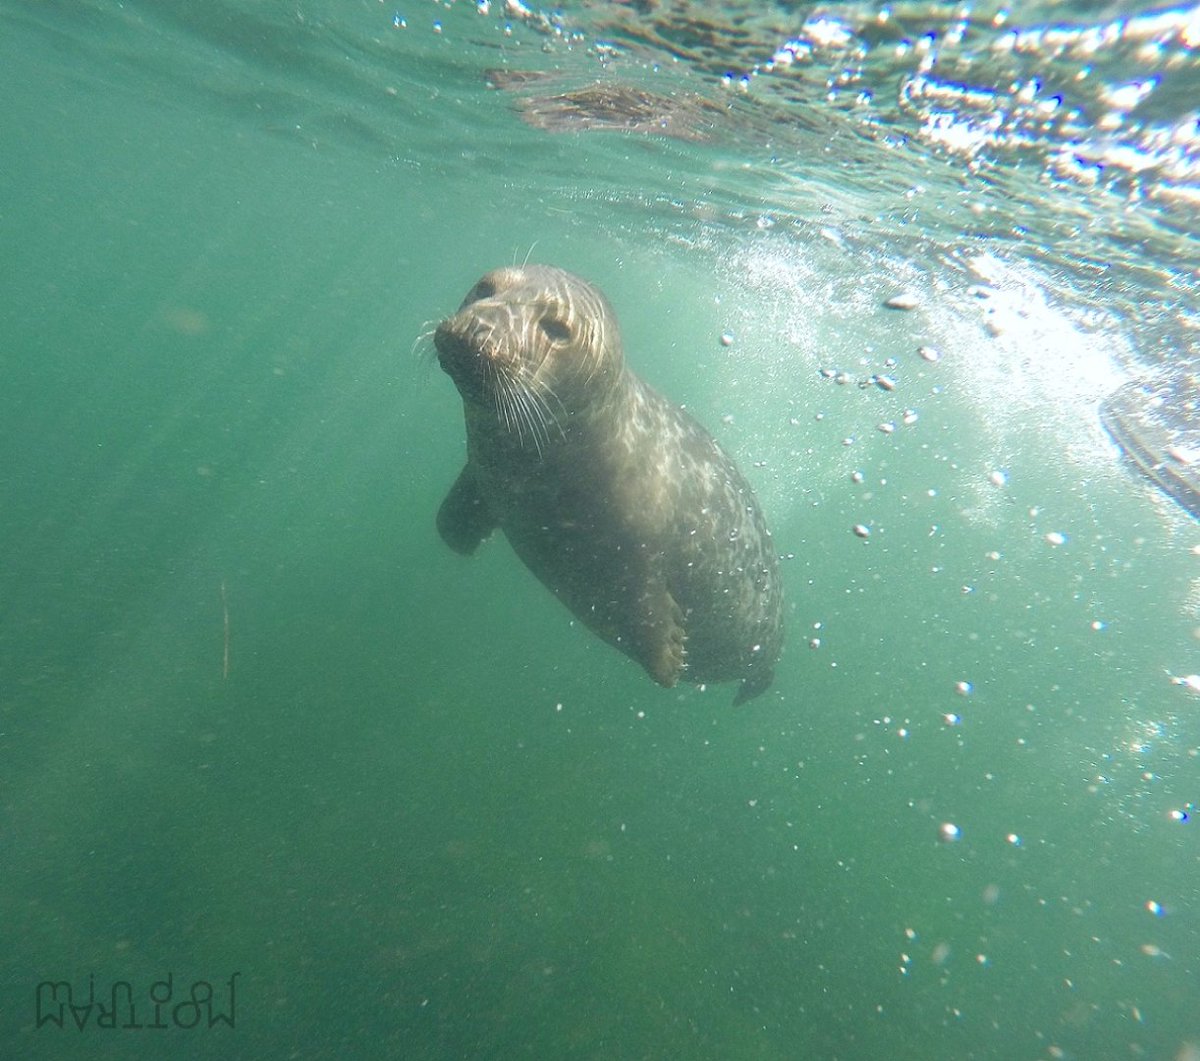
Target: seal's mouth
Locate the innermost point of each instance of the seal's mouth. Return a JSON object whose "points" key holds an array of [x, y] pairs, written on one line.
{"points": [[489, 371], [462, 359]]}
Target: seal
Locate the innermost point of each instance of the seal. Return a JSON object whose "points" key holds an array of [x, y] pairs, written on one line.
{"points": [[618, 501]]}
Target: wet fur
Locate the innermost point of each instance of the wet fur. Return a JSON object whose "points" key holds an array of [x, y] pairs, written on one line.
{"points": [[621, 503]]}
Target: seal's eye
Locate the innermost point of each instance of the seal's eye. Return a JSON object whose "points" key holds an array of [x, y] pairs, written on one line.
{"points": [[483, 289], [555, 330]]}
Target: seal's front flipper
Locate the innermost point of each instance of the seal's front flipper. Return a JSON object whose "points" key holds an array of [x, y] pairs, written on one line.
{"points": [[464, 519], [759, 681]]}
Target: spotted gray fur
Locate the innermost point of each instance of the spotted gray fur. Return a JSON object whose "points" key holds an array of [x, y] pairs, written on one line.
{"points": [[621, 503]]}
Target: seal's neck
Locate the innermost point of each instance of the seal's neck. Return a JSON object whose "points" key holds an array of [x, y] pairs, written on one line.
{"points": [[546, 428]]}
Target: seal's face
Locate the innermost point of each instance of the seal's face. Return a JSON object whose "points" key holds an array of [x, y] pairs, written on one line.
{"points": [[536, 343]]}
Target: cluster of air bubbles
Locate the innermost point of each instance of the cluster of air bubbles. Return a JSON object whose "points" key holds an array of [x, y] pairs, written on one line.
{"points": [[511, 11]]}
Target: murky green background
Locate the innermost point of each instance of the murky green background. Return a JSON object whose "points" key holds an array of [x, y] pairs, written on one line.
{"points": [[256, 718]]}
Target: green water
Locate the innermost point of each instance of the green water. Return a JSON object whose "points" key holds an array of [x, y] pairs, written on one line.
{"points": [[256, 718]]}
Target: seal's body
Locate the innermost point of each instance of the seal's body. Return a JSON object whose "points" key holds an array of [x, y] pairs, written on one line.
{"points": [[619, 502]]}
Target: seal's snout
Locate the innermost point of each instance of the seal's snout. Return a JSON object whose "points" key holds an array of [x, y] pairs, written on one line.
{"points": [[447, 340], [468, 352], [457, 355]]}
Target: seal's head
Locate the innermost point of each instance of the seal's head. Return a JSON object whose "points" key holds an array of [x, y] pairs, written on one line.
{"points": [[535, 343]]}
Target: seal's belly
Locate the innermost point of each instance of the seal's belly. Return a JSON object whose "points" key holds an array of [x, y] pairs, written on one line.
{"points": [[655, 502]]}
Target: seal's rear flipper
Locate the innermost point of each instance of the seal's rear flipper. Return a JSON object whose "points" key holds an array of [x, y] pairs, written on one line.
{"points": [[464, 519], [660, 637], [758, 682]]}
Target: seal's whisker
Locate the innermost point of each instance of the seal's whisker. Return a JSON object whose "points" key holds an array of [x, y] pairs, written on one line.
{"points": [[537, 429], [526, 416], [507, 396], [522, 385], [504, 393], [423, 344], [500, 397], [516, 415], [542, 394], [541, 415], [536, 409], [594, 345]]}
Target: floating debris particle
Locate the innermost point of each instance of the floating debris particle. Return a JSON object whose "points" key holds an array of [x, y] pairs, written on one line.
{"points": [[727, 338], [857, 477], [1056, 538], [887, 427], [904, 301], [885, 383], [964, 688], [928, 353], [911, 416], [948, 833], [862, 530], [828, 373], [998, 478]]}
